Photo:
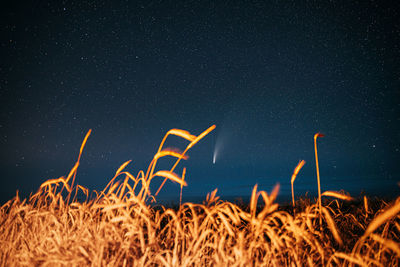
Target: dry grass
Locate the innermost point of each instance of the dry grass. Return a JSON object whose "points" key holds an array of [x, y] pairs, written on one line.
{"points": [[119, 227]]}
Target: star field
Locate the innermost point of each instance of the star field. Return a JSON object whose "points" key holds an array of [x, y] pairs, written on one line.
{"points": [[268, 74]]}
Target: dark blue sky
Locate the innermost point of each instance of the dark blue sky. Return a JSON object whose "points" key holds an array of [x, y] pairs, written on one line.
{"points": [[269, 74]]}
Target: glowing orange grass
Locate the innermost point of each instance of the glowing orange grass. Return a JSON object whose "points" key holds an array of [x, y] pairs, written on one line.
{"points": [[74, 169], [212, 197], [319, 184], [337, 195], [172, 176], [216, 233], [253, 202], [49, 183], [376, 223], [117, 173], [366, 206], [170, 152], [187, 136], [181, 133], [295, 172], [183, 179]]}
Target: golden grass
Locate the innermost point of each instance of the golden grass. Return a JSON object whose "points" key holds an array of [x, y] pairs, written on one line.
{"points": [[318, 179], [337, 195], [119, 227], [295, 172]]}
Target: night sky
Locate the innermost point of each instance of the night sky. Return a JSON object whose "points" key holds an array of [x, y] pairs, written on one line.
{"points": [[268, 74]]}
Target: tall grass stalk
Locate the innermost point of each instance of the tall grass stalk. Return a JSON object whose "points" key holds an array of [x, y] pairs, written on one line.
{"points": [[318, 179], [294, 175], [183, 179], [119, 227]]}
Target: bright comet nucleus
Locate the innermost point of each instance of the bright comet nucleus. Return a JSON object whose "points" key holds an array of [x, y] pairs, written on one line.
{"points": [[215, 154]]}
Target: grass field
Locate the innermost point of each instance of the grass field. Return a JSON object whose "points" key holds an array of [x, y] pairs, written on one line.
{"points": [[119, 226]]}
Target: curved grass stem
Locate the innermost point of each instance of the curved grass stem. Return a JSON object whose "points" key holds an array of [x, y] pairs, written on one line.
{"points": [[319, 183]]}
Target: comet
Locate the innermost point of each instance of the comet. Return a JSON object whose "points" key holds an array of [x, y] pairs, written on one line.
{"points": [[217, 149], [215, 155], [219, 144]]}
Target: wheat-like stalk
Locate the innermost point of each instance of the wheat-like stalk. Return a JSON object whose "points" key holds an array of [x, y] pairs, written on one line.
{"points": [[118, 226], [318, 179], [294, 175]]}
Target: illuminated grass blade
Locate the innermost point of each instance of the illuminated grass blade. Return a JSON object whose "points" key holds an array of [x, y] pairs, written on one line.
{"points": [[337, 195], [295, 172], [318, 179]]}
